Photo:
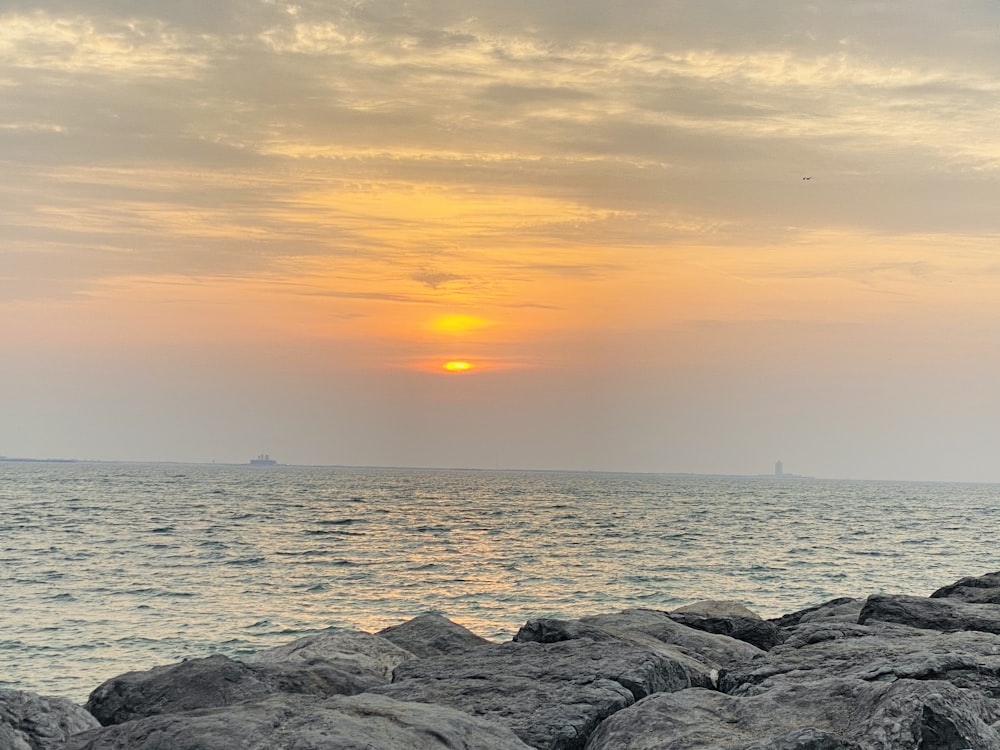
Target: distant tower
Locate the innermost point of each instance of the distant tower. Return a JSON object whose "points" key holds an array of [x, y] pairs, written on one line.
{"points": [[779, 469]]}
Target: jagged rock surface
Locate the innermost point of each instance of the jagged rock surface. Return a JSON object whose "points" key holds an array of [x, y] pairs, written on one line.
{"points": [[967, 660], [844, 609], [717, 608], [553, 695], [944, 614], [36, 722], [649, 628], [983, 589], [432, 635], [341, 662], [361, 722], [350, 651], [833, 713], [760, 633]]}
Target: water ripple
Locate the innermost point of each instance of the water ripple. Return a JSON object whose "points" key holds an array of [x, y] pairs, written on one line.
{"points": [[108, 568]]}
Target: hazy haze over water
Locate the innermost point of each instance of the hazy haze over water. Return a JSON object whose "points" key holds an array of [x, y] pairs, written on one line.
{"points": [[114, 567]]}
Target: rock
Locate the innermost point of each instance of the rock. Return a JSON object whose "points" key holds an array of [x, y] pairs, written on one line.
{"points": [[944, 614], [332, 663], [805, 739], [552, 695], [844, 608], [983, 589], [834, 628], [649, 628], [557, 631], [360, 722], [967, 660], [432, 635], [830, 714], [195, 683], [351, 651], [36, 722], [717, 608], [764, 635], [731, 619]]}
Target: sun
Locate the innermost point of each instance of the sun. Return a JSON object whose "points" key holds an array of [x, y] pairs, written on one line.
{"points": [[457, 365]]}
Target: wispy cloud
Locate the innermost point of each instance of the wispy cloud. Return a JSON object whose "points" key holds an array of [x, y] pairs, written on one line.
{"points": [[207, 140]]}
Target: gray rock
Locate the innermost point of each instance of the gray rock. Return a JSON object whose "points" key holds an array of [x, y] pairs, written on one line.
{"points": [[552, 695], [753, 630], [196, 683], [830, 714], [718, 608], [36, 722], [13, 739], [983, 589], [350, 651], [844, 608], [361, 722], [558, 631], [944, 614], [335, 662], [967, 660], [834, 628], [805, 739], [650, 628], [432, 635]]}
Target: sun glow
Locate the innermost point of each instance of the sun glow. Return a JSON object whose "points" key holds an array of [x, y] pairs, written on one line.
{"points": [[457, 365], [457, 324]]}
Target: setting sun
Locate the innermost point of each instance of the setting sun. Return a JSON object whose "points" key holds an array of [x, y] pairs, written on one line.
{"points": [[457, 365]]}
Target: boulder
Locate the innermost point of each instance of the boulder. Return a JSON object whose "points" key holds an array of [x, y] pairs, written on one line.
{"points": [[843, 608], [967, 660], [432, 635], [983, 589], [650, 628], [944, 614], [360, 722], [834, 628], [552, 695], [717, 608], [201, 683], [753, 630], [350, 651], [36, 722], [834, 713], [336, 662]]}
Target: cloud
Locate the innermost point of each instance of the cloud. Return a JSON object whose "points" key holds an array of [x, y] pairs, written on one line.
{"points": [[174, 136], [434, 278]]}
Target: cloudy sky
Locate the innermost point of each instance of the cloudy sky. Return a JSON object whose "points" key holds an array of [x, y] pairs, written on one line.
{"points": [[647, 235]]}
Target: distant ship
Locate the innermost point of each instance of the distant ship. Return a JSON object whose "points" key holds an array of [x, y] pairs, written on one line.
{"points": [[263, 460]]}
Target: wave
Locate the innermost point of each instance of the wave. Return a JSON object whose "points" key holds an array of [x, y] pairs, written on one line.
{"points": [[241, 561]]}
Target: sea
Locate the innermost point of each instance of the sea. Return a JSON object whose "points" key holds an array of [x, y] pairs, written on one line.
{"points": [[108, 568]]}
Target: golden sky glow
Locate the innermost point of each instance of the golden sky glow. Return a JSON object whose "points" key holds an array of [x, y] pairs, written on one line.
{"points": [[458, 324], [599, 207]]}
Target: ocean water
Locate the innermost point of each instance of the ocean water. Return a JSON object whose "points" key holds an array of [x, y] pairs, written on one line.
{"points": [[107, 568]]}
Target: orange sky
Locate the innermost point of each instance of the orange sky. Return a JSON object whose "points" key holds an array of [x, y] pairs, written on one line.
{"points": [[267, 227]]}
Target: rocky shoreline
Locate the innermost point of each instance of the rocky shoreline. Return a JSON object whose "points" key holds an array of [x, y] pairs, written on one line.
{"points": [[890, 672]]}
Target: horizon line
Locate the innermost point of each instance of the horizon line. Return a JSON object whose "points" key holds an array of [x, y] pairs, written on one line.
{"points": [[509, 469]]}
